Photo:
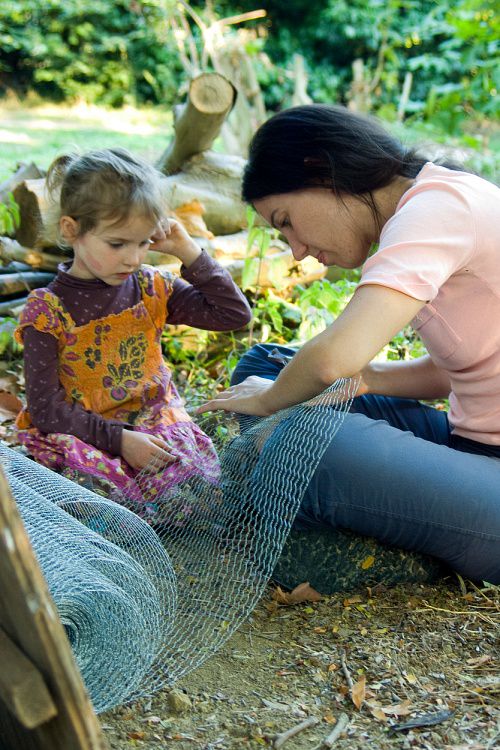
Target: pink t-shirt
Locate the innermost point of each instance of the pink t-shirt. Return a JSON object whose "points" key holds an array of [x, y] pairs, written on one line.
{"points": [[443, 246]]}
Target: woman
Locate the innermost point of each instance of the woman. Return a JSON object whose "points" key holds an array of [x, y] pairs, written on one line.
{"points": [[335, 184]]}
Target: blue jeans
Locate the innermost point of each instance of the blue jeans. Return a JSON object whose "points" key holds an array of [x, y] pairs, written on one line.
{"points": [[396, 473]]}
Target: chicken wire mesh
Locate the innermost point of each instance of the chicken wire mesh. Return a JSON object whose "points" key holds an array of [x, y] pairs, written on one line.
{"points": [[144, 602]]}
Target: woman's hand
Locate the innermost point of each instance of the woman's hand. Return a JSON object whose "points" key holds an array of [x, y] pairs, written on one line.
{"points": [[248, 397], [171, 238], [139, 449]]}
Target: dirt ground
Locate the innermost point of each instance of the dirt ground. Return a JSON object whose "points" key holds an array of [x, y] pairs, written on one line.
{"points": [[377, 659]]}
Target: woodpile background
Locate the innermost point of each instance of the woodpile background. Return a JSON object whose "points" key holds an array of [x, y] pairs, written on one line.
{"points": [[202, 190]]}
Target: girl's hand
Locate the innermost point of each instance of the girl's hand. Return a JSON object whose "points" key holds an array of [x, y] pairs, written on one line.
{"points": [[247, 397], [171, 238], [139, 449]]}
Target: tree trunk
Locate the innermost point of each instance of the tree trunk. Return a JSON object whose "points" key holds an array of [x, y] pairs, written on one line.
{"points": [[300, 95], [198, 121]]}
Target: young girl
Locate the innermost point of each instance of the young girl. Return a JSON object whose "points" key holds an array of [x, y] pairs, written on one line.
{"points": [[100, 397]]}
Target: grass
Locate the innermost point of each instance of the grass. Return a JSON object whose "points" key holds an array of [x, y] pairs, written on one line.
{"points": [[39, 132]]}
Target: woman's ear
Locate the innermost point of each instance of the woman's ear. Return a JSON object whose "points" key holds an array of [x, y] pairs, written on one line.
{"points": [[69, 228]]}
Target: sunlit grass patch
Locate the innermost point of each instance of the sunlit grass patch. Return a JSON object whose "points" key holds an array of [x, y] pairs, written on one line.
{"points": [[39, 132]]}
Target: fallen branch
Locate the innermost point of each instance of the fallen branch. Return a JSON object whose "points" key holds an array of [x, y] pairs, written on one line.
{"points": [[12, 307], [280, 739], [339, 728], [12, 283], [426, 720], [11, 250], [346, 672]]}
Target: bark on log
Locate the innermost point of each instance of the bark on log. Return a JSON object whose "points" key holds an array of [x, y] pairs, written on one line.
{"points": [[11, 250], [24, 172], [215, 180], [22, 687], [14, 267], [29, 617], [199, 120], [13, 307], [12, 283], [30, 195]]}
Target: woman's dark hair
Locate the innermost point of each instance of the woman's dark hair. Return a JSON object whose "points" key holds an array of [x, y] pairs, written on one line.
{"points": [[325, 146]]}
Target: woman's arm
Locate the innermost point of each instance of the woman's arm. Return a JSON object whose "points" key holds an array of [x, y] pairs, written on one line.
{"points": [[416, 378], [370, 320]]}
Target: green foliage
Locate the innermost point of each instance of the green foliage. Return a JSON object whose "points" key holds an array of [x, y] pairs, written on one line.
{"points": [[474, 78], [108, 51], [9, 348], [116, 51], [9, 216], [261, 237], [405, 345], [320, 303], [274, 318], [452, 51]]}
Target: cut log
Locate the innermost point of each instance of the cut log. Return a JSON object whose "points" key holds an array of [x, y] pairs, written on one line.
{"points": [[280, 271], [24, 172], [30, 195], [11, 283], [198, 122], [13, 307], [214, 180], [11, 250], [232, 60]]}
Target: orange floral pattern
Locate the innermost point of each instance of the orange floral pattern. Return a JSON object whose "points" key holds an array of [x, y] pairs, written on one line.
{"points": [[114, 367]]}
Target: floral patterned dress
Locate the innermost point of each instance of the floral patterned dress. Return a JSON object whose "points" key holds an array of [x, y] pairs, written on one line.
{"points": [[114, 367]]}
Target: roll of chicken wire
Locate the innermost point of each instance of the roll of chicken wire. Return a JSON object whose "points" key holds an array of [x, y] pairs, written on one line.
{"points": [[145, 602]]}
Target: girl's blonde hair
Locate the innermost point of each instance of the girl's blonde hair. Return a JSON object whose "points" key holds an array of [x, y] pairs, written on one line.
{"points": [[109, 184]]}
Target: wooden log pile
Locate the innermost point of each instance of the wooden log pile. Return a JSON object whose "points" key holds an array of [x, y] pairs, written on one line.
{"points": [[202, 190]]}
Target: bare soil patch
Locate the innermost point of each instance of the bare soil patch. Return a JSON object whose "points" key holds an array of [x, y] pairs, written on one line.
{"points": [[409, 652]]}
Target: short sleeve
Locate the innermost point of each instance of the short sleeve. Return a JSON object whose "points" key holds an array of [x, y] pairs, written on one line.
{"points": [[44, 312], [429, 238]]}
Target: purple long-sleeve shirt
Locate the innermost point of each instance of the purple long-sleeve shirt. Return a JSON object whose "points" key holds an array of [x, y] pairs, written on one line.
{"points": [[205, 297]]}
